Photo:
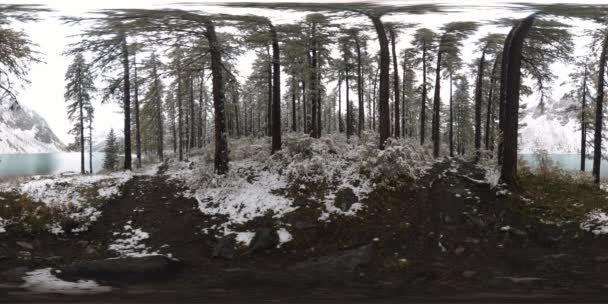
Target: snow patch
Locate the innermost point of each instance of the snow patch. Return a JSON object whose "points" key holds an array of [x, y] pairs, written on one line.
{"points": [[131, 242], [284, 236], [245, 237], [595, 222], [43, 281]]}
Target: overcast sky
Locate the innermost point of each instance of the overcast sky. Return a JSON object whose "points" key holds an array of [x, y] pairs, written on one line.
{"points": [[45, 92]]}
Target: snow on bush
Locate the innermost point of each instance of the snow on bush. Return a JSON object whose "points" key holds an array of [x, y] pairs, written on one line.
{"points": [[44, 281], [595, 222], [398, 161]]}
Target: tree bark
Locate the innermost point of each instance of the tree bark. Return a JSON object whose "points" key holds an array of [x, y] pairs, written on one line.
{"points": [[583, 122], [361, 124], [423, 101], [437, 105], [159, 110], [270, 92], [599, 113], [276, 92], [510, 87], [384, 121], [478, 95], [451, 118], [340, 121], [294, 118], [81, 127], [395, 85], [221, 144], [136, 105], [126, 100], [489, 115]]}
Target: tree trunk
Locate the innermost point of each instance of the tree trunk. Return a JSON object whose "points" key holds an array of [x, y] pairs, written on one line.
{"points": [[451, 118], [395, 85], [404, 128], [583, 122], [304, 110], [90, 146], [192, 140], [221, 144], [437, 105], [276, 92], [180, 127], [489, 115], [423, 101], [361, 124], [81, 127], [348, 116], [340, 121], [136, 105], [384, 81], [478, 95], [269, 106], [294, 118], [313, 84], [375, 94], [510, 87], [159, 111], [126, 102], [599, 113]]}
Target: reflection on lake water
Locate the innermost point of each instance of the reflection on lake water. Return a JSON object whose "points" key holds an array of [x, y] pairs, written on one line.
{"points": [[46, 163], [568, 162]]}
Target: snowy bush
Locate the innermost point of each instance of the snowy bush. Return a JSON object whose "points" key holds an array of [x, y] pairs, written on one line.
{"points": [[398, 162]]}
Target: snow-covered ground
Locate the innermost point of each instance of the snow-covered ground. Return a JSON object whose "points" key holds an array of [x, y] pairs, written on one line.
{"points": [[596, 222], [257, 182]]}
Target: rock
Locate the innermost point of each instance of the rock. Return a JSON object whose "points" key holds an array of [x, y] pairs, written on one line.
{"points": [[345, 198], [467, 274], [225, 247], [518, 232], [24, 255], [121, 269], [265, 238], [459, 251], [90, 250], [25, 245], [338, 265]]}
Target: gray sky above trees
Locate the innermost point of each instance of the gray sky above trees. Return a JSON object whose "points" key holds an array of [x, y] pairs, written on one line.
{"points": [[45, 92]]}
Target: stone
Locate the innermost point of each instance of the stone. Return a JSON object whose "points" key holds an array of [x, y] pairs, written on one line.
{"points": [[90, 250], [15, 274], [25, 245], [265, 238], [122, 269], [337, 265], [459, 251], [345, 198], [225, 247], [467, 274]]}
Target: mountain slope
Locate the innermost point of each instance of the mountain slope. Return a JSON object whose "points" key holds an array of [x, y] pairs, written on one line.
{"points": [[22, 130]]}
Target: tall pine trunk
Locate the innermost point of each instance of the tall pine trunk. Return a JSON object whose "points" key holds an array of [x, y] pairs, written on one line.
{"points": [[276, 91], [395, 85], [423, 101], [383, 96], [599, 113], [489, 115], [294, 117], [136, 105], [584, 122], [81, 127], [340, 121], [221, 144], [269, 106], [437, 105], [451, 118], [126, 101], [91, 146], [510, 89], [361, 124], [478, 95]]}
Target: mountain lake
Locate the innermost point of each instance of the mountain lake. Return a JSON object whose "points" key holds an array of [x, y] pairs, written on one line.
{"points": [[28, 164]]}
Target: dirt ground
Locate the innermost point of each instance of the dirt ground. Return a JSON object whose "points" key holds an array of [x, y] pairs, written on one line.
{"points": [[449, 237]]}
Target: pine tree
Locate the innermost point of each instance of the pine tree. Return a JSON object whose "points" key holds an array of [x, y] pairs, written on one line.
{"points": [[111, 151], [78, 90]]}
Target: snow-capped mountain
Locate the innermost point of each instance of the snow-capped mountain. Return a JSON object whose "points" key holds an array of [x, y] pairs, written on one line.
{"points": [[22, 130]]}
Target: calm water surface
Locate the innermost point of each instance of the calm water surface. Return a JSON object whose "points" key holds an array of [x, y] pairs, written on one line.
{"points": [[569, 162], [46, 163]]}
